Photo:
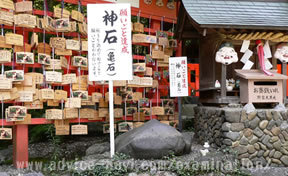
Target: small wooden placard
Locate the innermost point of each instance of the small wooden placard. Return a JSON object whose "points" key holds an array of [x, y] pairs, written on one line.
{"points": [[62, 130], [96, 97], [61, 13], [15, 75], [73, 103], [5, 84], [79, 129], [75, 15], [27, 120], [70, 113], [83, 95], [25, 96], [24, 58], [5, 133], [44, 48], [7, 4], [37, 77], [25, 48], [46, 94], [72, 44], [125, 126], [139, 67], [34, 105], [138, 27], [52, 114], [44, 59], [55, 65], [58, 42], [23, 6], [80, 61], [158, 110], [7, 18], [14, 39], [60, 95], [53, 77], [84, 45], [62, 25], [3, 43], [25, 20]]}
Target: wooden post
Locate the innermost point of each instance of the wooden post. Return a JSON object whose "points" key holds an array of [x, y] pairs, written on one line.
{"points": [[20, 146], [223, 81], [284, 72], [180, 126]]}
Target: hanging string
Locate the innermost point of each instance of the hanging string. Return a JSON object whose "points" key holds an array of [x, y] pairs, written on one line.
{"points": [[150, 109], [138, 16], [13, 50], [23, 47], [149, 31], [2, 104], [79, 73], [125, 107], [62, 111], [2, 33], [62, 7], [53, 59]]}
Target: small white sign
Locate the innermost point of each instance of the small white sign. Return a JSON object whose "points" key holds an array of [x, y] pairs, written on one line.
{"points": [[248, 53], [178, 76], [267, 50], [109, 42], [245, 46], [248, 65], [268, 64]]}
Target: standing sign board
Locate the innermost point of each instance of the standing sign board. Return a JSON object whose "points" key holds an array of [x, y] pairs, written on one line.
{"points": [[110, 49], [178, 76], [109, 42]]}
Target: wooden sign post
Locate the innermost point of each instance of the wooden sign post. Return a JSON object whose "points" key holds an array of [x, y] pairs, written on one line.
{"points": [[284, 72], [223, 81], [118, 66]]}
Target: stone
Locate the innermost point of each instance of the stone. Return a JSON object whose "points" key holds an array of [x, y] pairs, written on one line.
{"points": [[278, 122], [284, 125], [285, 134], [284, 160], [247, 132], [227, 142], [284, 115], [277, 145], [98, 148], [267, 132], [263, 124], [277, 161], [262, 115], [226, 126], [257, 146], [3, 174], [245, 155], [254, 123], [237, 126], [260, 153], [151, 140], [262, 146], [266, 142], [253, 155], [284, 151], [244, 141], [269, 115], [243, 116], [252, 115], [277, 155], [258, 132], [235, 144], [276, 115], [259, 161], [274, 139], [245, 162], [232, 135], [276, 131], [272, 153], [240, 149], [253, 140], [249, 108], [188, 138], [281, 137], [271, 124], [232, 115], [251, 149], [280, 107], [266, 153]]}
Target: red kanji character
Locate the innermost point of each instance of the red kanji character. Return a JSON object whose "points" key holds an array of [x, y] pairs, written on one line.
{"points": [[123, 12]]}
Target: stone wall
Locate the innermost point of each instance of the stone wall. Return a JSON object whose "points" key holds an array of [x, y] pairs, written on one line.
{"points": [[258, 137]]}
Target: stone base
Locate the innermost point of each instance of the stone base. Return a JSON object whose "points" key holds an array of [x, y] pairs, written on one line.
{"points": [[260, 137]]}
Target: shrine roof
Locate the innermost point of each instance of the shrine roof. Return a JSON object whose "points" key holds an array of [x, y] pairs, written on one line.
{"points": [[249, 14]]}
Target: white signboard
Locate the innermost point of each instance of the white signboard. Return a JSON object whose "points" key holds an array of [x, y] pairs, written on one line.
{"points": [[178, 76], [134, 3], [109, 42]]}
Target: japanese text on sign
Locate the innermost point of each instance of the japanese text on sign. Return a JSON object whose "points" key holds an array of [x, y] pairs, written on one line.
{"points": [[109, 42], [178, 76]]}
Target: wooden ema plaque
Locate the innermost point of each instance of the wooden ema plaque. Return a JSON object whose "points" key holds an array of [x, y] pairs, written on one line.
{"points": [[5, 133], [7, 4], [79, 129], [256, 87], [62, 130], [24, 6], [52, 114], [125, 126], [14, 39], [71, 113], [6, 18]]}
